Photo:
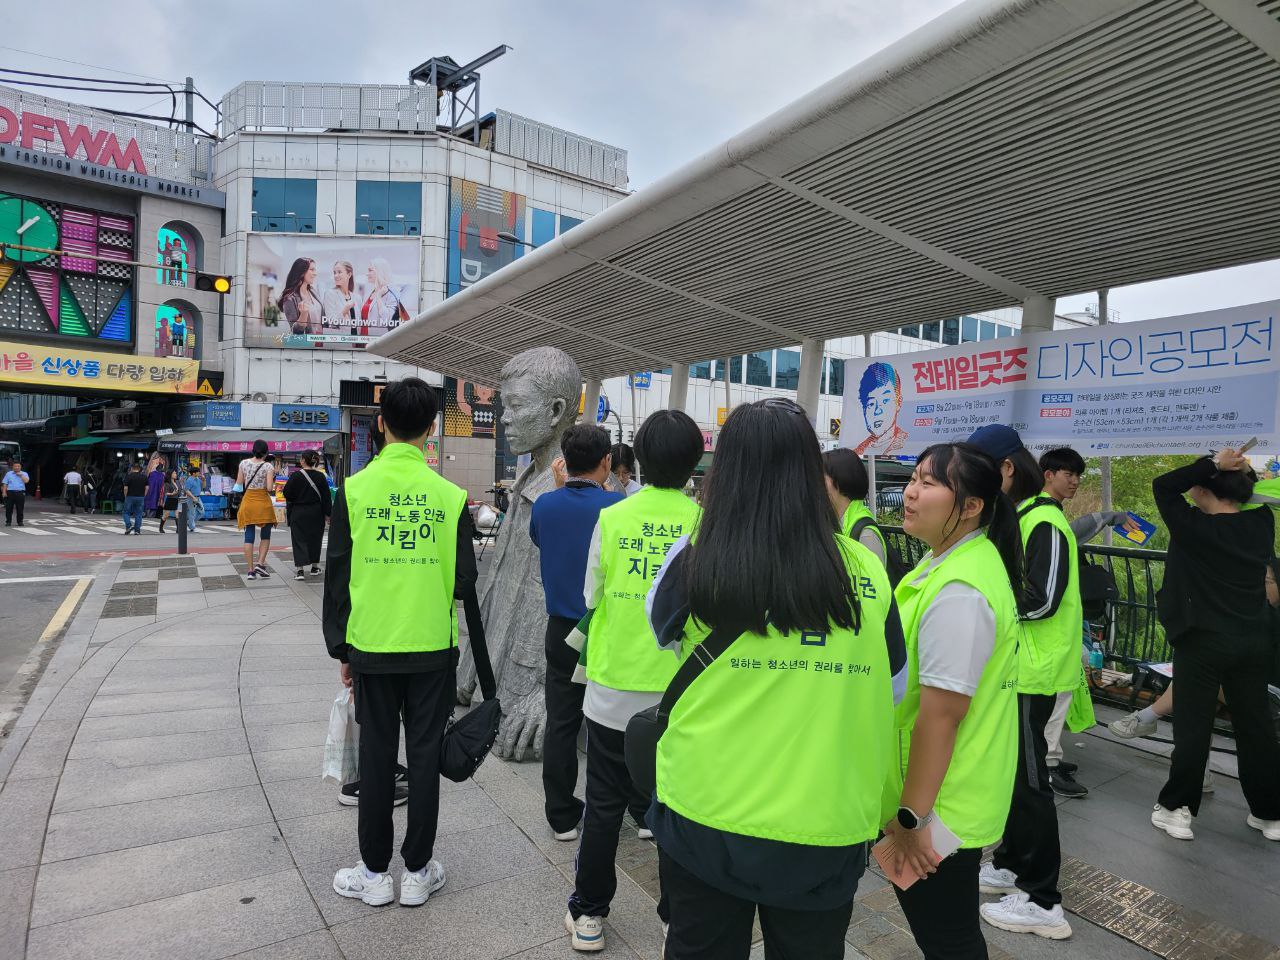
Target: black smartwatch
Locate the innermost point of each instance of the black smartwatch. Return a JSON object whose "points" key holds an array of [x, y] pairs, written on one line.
{"points": [[908, 819]]}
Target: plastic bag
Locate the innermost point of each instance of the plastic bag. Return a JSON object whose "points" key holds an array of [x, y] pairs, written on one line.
{"points": [[342, 745]]}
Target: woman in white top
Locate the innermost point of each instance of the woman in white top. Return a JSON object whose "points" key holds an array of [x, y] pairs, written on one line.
{"points": [[340, 301], [382, 307]]}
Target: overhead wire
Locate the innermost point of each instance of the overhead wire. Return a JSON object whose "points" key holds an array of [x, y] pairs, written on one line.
{"points": [[81, 63]]}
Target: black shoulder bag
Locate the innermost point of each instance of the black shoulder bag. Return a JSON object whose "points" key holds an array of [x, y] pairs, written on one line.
{"points": [[645, 729], [468, 740]]}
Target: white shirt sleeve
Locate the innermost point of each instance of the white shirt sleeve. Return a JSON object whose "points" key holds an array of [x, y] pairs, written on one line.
{"points": [[593, 585], [957, 636]]}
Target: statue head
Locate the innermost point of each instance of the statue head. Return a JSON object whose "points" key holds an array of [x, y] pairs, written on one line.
{"points": [[540, 390]]}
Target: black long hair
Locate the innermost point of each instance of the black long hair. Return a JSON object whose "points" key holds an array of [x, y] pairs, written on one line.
{"points": [[297, 274], [765, 553], [1028, 478], [967, 471]]}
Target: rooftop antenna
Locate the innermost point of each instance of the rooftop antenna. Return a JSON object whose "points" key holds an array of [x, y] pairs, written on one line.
{"points": [[462, 84]]}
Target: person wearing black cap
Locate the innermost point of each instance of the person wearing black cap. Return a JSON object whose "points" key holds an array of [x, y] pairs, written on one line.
{"points": [[1025, 866]]}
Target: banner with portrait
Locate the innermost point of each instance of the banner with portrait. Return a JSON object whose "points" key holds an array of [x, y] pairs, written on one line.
{"points": [[337, 293], [1183, 384]]}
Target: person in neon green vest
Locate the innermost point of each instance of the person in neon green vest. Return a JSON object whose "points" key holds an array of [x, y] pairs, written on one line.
{"points": [[1025, 867], [847, 487], [771, 773], [399, 549], [958, 723], [624, 673]]}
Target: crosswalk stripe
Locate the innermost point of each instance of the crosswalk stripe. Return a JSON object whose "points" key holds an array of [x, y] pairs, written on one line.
{"points": [[33, 531], [68, 528]]}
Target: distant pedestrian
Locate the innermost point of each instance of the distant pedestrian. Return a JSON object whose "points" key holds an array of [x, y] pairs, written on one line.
{"points": [[307, 506], [155, 488], [256, 476], [14, 486], [191, 490], [135, 496], [172, 492], [72, 486], [622, 459]]}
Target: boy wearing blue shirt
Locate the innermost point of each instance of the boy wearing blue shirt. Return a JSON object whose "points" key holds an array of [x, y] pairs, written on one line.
{"points": [[560, 526]]}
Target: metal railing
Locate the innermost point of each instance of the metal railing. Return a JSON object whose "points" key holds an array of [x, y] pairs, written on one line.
{"points": [[1131, 632]]}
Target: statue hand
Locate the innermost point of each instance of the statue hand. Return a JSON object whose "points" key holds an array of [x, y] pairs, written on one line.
{"points": [[524, 725]]}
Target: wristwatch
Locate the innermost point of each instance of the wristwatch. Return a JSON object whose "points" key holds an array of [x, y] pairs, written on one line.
{"points": [[908, 819]]}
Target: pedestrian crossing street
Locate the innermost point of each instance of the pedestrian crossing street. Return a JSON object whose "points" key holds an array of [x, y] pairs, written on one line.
{"points": [[92, 525]]}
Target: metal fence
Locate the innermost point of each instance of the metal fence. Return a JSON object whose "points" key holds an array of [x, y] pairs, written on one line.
{"points": [[1132, 633]]}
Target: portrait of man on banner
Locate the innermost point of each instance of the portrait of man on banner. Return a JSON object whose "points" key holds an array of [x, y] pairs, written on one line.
{"points": [[880, 394]]}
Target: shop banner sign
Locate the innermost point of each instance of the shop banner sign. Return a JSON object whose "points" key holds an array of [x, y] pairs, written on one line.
{"points": [[1176, 385], [304, 416], [246, 446], [83, 371]]}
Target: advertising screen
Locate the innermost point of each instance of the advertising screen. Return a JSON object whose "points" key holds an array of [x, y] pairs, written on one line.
{"points": [[337, 293], [477, 216]]}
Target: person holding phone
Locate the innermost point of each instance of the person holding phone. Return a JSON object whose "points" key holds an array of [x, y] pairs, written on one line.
{"points": [[958, 723]]}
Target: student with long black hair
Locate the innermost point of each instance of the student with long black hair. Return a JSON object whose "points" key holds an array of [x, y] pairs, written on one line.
{"points": [[958, 722], [847, 487], [1025, 867], [770, 774]]}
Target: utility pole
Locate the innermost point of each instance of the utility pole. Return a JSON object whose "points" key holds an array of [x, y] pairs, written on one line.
{"points": [[1106, 461], [189, 94]]}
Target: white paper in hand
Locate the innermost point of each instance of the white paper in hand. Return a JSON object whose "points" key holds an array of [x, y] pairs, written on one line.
{"points": [[941, 838]]}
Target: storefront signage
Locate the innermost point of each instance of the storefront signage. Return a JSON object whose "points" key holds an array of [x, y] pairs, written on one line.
{"points": [[17, 156], [83, 371], [209, 414], [293, 416], [366, 393], [1175, 385], [246, 446], [99, 146]]}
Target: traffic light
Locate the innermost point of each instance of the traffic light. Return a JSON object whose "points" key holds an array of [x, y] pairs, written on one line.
{"points": [[212, 283]]}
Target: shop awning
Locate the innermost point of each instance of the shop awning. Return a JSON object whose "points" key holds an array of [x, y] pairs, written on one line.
{"points": [[82, 442], [133, 442]]}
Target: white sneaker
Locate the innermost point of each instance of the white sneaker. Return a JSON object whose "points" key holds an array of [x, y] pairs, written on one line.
{"points": [[991, 879], [567, 836], [1207, 786], [354, 882], [416, 887], [1017, 914], [1270, 828], [587, 932], [644, 833], [1131, 726], [1176, 823]]}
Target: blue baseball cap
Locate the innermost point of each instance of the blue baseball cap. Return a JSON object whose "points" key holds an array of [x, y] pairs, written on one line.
{"points": [[997, 441]]}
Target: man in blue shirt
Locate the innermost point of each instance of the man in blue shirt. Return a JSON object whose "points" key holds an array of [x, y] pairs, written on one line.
{"points": [[561, 525], [15, 494], [195, 506]]}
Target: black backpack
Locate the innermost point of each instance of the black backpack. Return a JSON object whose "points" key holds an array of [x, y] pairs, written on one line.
{"points": [[1097, 590], [894, 564]]}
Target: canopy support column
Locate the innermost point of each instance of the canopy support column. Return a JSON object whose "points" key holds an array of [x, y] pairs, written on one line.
{"points": [[679, 395], [810, 383]]}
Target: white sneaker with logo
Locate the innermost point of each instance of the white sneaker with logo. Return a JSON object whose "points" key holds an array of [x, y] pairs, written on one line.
{"points": [[587, 932], [1270, 828], [1017, 914], [991, 879], [1176, 823], [355, 883], [416, 886], [1131, 726]]}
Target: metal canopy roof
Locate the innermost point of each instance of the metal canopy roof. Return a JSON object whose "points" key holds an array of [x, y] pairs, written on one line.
{"points": [[1004, 151]]}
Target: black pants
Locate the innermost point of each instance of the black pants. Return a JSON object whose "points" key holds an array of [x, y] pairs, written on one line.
{"points": [[943, 909], [1240, 665], [1030, 846], [425, 700], [564, 720], [609, 793], [709, 924], [73, 495], [14, 501], [306, 531]]}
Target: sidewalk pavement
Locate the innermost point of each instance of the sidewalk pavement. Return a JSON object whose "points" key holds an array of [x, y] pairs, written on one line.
{"points": [[161, 797]]}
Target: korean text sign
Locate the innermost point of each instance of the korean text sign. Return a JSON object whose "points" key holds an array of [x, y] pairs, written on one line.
{"points": [[83, 371], [1183, 384]]}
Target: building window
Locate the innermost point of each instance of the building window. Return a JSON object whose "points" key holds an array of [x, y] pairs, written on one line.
{"points": [[951, 331], [968, 329], [175, 255], [835, 377], [735, 370], [788, 376], [283, 205], [987, 330], [910, 331], [930, 331], [760, 369], [568, 223], [177, 330], [700, 371], [1004, 330], [388, 208]]}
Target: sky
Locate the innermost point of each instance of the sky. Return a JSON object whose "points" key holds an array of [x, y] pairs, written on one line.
{"points": [[665, 80]]}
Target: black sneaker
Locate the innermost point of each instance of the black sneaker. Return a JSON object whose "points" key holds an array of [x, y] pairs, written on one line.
{"points": [[262, 571], [299, 575], [349, 795], [1067, 767], [1064, 785]]}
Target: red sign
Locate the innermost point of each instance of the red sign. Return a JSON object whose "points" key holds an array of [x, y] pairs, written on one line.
{"points": [[972, 371], [32, 130]]}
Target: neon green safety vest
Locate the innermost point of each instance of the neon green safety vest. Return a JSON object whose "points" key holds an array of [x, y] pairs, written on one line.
{"points": [[974, 798], [789, 736], [1049, 655], [635, 535], [857, 511], [404, 541], [1267, 494]]}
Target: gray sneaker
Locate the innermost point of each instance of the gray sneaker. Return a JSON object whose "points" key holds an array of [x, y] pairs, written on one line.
{"points": [[1132, 726]]}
